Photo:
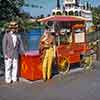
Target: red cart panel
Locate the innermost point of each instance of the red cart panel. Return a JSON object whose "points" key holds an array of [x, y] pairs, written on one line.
{"points": [[31, 68]]}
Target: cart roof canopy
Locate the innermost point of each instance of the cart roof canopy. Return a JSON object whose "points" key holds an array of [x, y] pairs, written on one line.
{"points": [[62, 18]]}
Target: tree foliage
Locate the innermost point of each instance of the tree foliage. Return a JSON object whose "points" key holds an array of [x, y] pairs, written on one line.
{"points": [[9, 8], [96, 15]]}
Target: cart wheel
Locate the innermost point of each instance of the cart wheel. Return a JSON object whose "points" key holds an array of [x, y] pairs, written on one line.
{"points": [[63, 64], [86, 62]]}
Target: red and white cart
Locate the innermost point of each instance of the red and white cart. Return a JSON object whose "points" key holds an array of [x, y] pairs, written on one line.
{"points": [[75, 50]]}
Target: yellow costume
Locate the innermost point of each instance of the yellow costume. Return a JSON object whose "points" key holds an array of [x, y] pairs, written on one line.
{"points": [[48, 48]]}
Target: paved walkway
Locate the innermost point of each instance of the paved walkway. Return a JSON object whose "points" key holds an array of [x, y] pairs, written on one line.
{"points": [[74, 86]]}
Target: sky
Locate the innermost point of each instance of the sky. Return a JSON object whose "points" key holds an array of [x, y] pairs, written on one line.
{"points": [[45, 6]]}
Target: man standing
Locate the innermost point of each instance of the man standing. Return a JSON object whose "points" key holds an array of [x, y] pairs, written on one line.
{"points": [[47, 43], [12, 44]]}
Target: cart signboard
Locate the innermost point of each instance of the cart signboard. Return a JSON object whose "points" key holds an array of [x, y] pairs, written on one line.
{"points": [[79, 37]]}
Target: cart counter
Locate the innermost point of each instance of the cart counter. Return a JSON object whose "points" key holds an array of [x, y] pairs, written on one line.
{"points": [[30, 66]]}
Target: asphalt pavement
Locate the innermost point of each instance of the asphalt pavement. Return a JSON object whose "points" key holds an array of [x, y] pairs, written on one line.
{"points": [[76, 85]]}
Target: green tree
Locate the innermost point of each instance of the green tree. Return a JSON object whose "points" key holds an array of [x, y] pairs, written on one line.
{"points": [[10, 8], [96, 15]]}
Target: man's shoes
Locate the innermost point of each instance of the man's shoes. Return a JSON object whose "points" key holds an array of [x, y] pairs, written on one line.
{"points": [[14, 81], [8, 82]]}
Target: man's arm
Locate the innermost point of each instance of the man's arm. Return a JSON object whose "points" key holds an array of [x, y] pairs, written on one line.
{"points": [[4, 45], [21, 47]]}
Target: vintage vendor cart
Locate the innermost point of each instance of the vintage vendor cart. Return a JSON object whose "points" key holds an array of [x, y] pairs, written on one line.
{"points": [[72, 44], [72, 47]]}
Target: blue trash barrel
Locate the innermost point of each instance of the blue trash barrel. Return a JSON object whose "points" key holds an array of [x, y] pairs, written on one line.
{"points": [[34, 39]]}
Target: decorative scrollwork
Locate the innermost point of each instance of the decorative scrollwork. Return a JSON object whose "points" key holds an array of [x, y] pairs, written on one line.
{"points": [[63, 64]]}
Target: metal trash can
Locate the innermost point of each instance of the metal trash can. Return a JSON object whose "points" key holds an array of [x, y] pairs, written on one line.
{"points": [[34, 39]]}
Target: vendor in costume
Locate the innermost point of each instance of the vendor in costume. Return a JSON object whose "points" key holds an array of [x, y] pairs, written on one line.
{"points": [[47, 50]]}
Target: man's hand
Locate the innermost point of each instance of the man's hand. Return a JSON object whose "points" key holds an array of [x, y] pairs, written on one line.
{"points": [[5, 56]]}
